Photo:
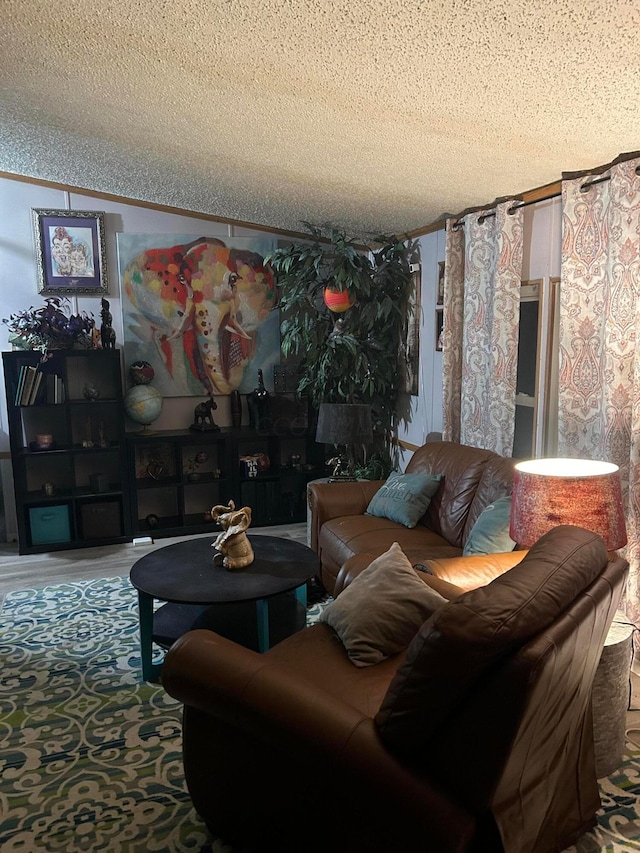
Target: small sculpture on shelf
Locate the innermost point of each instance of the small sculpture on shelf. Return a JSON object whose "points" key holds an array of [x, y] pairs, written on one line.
{"points": [[203, 416], [90, 391], [192, 465], [233, 547], [107, 333]]}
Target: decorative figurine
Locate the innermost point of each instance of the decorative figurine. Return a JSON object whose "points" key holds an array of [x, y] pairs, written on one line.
{"points": [[193, 464], [203, 416], [233, 548], [90, 392], [107, 334], [340, 467]]}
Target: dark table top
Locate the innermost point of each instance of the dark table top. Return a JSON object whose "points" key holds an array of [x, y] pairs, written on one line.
{"points": [[184, 572]]}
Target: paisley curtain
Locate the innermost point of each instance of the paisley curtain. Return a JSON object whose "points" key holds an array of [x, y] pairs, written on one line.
{"points": [[599, 383], [483, 269]]}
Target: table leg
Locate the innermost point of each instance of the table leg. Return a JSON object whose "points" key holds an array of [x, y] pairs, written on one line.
{"points": [[262, 613], [301, 595], [150, 671]]}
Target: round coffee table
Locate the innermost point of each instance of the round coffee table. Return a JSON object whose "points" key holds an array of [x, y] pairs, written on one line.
{"points": [[237, 603]]}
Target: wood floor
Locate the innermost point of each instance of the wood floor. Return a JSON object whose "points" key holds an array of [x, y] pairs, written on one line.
{"points": [[34, 571]]}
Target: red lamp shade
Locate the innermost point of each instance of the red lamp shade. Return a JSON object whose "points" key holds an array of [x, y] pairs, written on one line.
{"points": [[337, 300], [550, 492]]}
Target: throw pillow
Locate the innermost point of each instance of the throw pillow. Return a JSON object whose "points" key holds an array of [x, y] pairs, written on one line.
{"points": [[404, 497], [380, 611], [490, 533]]}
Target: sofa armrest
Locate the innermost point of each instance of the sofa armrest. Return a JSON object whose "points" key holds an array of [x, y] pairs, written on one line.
{"points": [[333, 500], [471, 572], [207, 671]]}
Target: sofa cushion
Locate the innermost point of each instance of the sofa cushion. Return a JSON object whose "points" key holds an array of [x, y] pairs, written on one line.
{"points": [[404, 497], [461, 468], [490, 533], [496, 482], [460, 644], [341, 538], [380, 611]]}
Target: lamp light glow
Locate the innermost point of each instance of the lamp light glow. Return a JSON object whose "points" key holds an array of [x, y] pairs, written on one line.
{"points": [[582, 492]]}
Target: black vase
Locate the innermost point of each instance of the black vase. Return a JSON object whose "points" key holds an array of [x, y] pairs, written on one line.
{"points": [[236, 409], [259, 404]]}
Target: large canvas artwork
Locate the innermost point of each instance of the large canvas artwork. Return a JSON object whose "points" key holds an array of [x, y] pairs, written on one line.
{"points": [[201, 310]]}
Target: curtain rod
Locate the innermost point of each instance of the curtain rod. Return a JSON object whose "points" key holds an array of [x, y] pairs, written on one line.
{"points": [[518, 204]]}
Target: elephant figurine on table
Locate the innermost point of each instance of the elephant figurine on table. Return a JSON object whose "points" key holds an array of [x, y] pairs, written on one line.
{"points": [[233, 548]]}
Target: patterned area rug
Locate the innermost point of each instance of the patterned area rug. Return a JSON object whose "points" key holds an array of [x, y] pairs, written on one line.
{"points": [[90, 755]]}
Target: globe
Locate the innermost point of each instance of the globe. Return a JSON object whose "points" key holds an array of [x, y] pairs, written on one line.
{"points": [[143, 404]]}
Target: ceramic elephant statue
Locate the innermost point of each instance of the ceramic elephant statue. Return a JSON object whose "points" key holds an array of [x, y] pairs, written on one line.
{"points": [[232, 545]]}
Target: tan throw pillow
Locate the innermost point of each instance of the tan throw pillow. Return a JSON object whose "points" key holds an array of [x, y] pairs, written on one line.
{"points": [[380, 611]]}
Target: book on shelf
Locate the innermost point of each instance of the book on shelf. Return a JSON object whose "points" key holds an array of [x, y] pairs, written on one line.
{"points": [[27, 386], [50, 387], [20, 384], [59, 394], [33, 397]]}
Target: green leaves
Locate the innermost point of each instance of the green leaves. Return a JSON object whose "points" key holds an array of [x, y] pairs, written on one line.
{"points": [[352, 356]]}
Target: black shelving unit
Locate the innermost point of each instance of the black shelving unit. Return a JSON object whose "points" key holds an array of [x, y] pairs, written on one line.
{"points": [[167, 500], [73, 492]]}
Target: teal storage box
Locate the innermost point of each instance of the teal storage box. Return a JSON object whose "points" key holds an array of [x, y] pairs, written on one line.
{"points": [[49, 524]]}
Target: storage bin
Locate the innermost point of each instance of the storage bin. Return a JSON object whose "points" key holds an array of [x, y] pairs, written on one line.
{"points": [[49, 524], [101, 520]]}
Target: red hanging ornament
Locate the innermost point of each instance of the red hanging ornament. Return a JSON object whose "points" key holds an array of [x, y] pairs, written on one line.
{"points": [[337, 300]]}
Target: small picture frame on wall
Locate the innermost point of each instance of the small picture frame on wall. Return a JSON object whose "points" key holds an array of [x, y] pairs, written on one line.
{"points": [[70, 252], [439, 328], [440, 293]]}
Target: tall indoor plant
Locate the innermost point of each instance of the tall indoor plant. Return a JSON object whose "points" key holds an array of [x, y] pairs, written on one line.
{"points": [[344, 309]]}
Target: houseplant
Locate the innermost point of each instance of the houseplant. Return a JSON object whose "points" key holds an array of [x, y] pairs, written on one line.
{"points": [[50, 327], [348, 354]]}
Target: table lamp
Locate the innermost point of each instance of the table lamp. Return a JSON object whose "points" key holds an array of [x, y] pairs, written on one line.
{"points": [[550, 492], [344, 425]]}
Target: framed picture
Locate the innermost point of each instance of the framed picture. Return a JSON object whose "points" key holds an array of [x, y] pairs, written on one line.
{"points": [[439, 327], [70, 252], [440, 293]]}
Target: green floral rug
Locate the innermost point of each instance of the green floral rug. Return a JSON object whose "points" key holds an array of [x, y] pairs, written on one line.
{"points": [[90, 755]]}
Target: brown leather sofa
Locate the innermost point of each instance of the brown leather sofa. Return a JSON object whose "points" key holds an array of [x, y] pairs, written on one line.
{"points": [[478, 737], [471, 480]]}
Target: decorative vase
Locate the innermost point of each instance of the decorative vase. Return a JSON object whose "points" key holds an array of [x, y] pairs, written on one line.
{"points": [[236, 409], [259, 403], [141, 373]]}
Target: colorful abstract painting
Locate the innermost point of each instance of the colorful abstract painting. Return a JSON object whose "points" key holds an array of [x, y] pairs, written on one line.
{"points": [[201, 310]]}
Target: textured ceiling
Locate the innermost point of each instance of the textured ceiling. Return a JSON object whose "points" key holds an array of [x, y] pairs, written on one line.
{"points": [[376, 115]]}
